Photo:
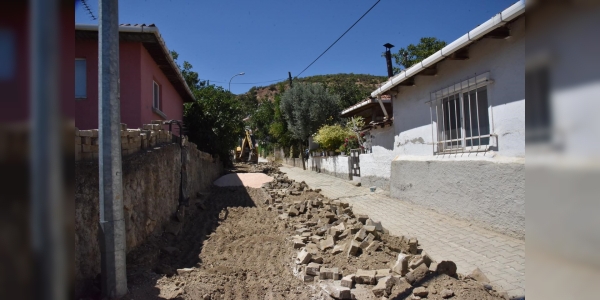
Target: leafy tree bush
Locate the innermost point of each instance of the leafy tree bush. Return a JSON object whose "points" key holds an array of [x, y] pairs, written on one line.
{"points": [[214, 121], [305, 108], [331, 137], [412, 54]]}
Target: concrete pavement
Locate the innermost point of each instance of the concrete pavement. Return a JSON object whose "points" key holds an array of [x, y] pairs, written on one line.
{"points": [[501, 258]]}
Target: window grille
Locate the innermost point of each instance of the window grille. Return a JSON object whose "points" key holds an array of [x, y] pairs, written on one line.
{"points": [[461, 117]]}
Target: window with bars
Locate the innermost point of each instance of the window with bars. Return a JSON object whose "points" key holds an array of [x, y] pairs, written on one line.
{"points": [[460, 116]]}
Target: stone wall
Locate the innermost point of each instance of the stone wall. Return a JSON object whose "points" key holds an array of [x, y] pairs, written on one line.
{"points": [[151, 181]]}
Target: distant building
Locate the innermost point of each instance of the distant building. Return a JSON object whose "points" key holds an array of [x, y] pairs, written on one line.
{"points": [[152, 87]]}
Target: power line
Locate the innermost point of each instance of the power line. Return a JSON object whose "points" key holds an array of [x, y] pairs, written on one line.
{"points": [[85, 5], [338, 39], [244, 82]]}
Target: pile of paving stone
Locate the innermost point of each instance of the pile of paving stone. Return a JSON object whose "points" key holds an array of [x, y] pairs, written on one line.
{"points": [[329, 226]]}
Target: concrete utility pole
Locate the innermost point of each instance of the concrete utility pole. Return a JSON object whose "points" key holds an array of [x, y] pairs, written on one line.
{"points": [[112, 222], [47, 195]]}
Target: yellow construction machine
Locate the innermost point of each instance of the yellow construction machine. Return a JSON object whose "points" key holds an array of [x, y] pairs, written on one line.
{"points": [[247, 152]]}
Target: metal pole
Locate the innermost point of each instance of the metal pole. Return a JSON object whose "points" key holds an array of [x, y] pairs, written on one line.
{"points": [[46, 215], [112, 222]]}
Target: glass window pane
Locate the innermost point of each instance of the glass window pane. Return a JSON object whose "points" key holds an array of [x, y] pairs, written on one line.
{"points": [[80, 79]]}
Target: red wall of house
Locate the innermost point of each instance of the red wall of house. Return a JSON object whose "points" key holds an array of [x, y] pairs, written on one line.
{"points": [[137, 72], [172, 103], [129, 72], [15, 91]]}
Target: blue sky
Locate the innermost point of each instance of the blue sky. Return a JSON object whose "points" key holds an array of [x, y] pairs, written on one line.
{"points": [[267, 38]]}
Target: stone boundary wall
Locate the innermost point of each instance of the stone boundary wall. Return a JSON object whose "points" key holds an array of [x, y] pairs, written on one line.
{"points": [[151, 181], [132, 140]]}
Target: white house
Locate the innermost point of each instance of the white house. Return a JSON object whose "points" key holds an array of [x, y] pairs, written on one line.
{"points": [[457, 141]]}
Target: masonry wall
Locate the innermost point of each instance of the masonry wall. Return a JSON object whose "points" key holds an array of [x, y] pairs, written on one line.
{"points": [[151, 180]]}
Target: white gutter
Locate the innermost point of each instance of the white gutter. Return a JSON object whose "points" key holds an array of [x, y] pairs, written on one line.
{"points": [[496, 21], [361, 104], [144, 29]]}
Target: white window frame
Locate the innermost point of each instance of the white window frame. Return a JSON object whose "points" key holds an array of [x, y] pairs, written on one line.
{"points": [[445, 141], [156, 95], [84, 79]]}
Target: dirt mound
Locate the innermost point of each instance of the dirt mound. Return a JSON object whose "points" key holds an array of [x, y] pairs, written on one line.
{"points": [[242, 243]]}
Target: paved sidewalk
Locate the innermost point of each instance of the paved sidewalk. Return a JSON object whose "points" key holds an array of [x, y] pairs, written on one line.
{"points": [[501, 258]]}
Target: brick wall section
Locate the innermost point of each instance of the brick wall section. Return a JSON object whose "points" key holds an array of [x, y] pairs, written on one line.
{"points": [[151, 181]]}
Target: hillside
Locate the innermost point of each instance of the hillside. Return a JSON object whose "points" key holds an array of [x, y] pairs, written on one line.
{"points": [[364, 84]]}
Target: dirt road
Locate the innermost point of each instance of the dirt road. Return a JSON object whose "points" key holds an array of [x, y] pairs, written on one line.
{"points": [[232, 244]]}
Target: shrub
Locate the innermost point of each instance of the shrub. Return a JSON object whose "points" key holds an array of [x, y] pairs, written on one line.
{"points": [[331, 137]]}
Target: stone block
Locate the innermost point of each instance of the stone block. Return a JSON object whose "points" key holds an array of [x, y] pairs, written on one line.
{"points": [[85, 133], [365, 276], [415, 262], [369, 228], [353, 248], [336, 291], [360, 235], [313, 269], [338, 249], [348, 281], [412, 245], [326, 243], [316, 239], [292, 212], [362, 218], [299, 244], [303, 257], [415, 276], [317, 259], [383, 273], [384, 286], [479, 276], [401, 266], [373, 246], [421, 292], [307, 278], [312, 248]]}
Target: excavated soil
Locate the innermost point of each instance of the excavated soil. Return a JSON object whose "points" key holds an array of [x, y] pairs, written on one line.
{"points": [[233, 245]]}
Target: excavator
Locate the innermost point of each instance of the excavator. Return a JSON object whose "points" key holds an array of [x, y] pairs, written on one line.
{"points": [[247, 151]]}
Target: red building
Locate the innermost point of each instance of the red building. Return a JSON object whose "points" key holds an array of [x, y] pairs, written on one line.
{"points": [[152, 87]]}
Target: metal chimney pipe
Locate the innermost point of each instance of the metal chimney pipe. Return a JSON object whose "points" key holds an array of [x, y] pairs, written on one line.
{"points": [[388, 59]]}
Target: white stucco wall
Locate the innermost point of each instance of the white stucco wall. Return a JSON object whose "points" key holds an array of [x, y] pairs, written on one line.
{"points": [[505, 60], [375, 167], [338, 166], [486, 188]]}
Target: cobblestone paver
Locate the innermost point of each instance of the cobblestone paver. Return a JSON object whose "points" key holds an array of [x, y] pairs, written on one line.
{"points": [[501, 258]]}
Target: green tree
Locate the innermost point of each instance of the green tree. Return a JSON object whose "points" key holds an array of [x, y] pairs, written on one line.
{"points": [[214, 121], [261, 120], [412, 54], [306, 107], [278, 128]]}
